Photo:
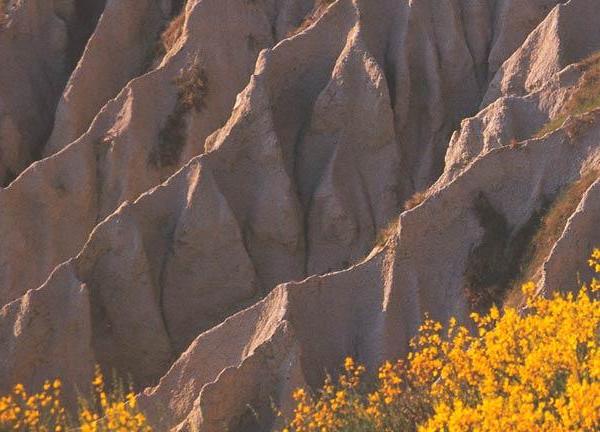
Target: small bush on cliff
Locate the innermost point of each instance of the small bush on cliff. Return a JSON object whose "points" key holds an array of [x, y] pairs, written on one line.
{"points": [[192, 89], [531, 370], [416, 199], [44, 411], [387, 232], [172, 33], [4, 4]]}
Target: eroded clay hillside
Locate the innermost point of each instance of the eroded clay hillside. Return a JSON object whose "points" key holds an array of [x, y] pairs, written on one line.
{"points": [[224, 198]]}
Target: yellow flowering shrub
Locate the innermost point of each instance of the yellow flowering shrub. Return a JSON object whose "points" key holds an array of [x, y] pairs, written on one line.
{"points": [[44, 411], [535, 369], [107, 412], [20, 411]]}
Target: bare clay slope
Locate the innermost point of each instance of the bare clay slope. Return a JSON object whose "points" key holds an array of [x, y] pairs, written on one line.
{"points": [[118, 51], [338, 125], [40, 42], [115, 160], [567, 35]]}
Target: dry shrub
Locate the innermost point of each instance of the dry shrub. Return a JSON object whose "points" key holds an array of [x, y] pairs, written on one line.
{"points": [[192, 86], [4, 7], [415, 200], [585, 98], [172, 33], [387, 232], [317, 12], [168, 38]]}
